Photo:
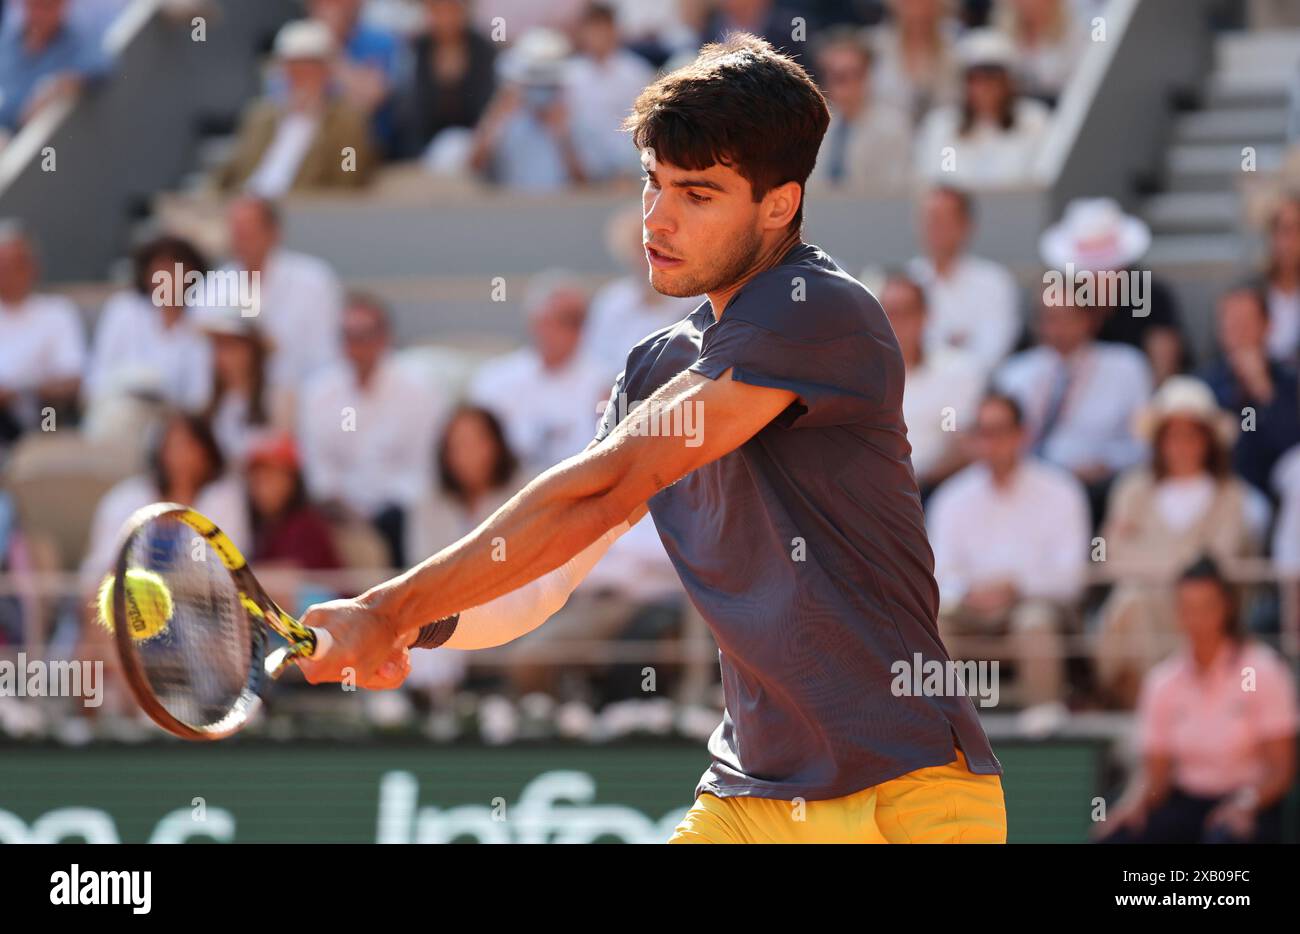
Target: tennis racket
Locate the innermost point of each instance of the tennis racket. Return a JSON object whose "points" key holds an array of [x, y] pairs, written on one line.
{"points": [[192, 624]]}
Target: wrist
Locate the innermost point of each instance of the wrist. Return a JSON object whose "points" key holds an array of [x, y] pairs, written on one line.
{"points": [[384, 604]]}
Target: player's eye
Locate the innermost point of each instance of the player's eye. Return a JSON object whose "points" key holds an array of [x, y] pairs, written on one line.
{"points": [[699, 198]]}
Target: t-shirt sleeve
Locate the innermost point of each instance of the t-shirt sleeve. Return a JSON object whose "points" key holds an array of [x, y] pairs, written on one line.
{"points": [[840, 379], [609, 417]]}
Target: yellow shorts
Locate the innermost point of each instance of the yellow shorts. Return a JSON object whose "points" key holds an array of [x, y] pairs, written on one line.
{"points": [[941, 804]]}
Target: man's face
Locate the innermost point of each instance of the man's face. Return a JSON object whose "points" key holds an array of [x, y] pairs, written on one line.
{"points": [[45, 16], [906, 313], [943, 225], [1064, 327], [998, 438], [844, 74], [365, 336], [251, 235], [308, 78], [1202, 609], [1242, 323], [556, 326], [702, 229], [17, 271]]}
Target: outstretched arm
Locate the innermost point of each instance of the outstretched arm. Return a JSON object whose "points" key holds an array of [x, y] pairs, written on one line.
{"points": [[556, 516]]}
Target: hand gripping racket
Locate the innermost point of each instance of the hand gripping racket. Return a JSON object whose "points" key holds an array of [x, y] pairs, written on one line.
{"points": [[191, 624]]}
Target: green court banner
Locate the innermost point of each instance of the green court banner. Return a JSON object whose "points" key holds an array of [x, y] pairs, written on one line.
{"points": [[371, 792]]}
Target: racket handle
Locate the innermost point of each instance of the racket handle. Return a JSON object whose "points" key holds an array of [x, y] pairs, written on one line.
{"points": [[324, 642]]}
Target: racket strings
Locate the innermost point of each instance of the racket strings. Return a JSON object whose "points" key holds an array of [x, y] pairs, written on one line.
{"points": [[199, 663]]}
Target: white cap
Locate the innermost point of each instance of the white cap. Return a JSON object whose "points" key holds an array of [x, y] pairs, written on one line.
{"points": [[985, 47]]}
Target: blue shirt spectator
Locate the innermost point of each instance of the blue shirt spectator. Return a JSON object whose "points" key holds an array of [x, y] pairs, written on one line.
{"points": [[1262, 393], [46, 48]]}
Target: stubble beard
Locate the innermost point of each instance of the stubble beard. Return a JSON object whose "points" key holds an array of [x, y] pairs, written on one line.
{"points": [[724, 271]]}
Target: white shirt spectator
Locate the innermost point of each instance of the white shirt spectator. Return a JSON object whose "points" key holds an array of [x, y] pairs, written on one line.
{"points": [[1107, 385], [373, 447], [1284, 325], [621, 314], [41, 339], [988, 156], [1286, 536], [982, 533], [547, 414], [223, 501], [600, 95], [946, 378], [975, 308], [300, 308], [131, 337], [876, 152]]}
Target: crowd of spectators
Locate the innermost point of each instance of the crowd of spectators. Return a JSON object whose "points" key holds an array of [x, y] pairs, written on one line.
{"points": [[1076, 458]]}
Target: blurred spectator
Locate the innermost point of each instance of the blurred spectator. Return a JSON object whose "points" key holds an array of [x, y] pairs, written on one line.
{"points": [[1003, 571], [240, 402], [546, 394], [1048, 42], [991, 138], [1158, 519], [1262, 393], [1286, 533], [148, 331], [627, 309], [868, 144], [300, 297], [762, 18], [527, 139], [513, 18], [942, 390], [368, 63], [1217, 727], [45, 57], [314, 139], [1080, 397], [42, 343], [366, 427], [1282, 280], [185, 465], [1096, 237], [451, 80], [974, 302], [288, 531], [602, 82], [659, 30], [475, 473], [915, 62]]}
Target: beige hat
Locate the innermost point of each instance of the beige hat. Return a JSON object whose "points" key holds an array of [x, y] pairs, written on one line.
{"points": [[1186, 397], [232, 322], [303, 39]]}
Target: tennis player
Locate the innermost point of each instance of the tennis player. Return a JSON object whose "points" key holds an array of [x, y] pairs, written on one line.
{"points": [[789, 508]]}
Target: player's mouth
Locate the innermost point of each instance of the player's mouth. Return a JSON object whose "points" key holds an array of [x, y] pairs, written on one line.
{"points": [[660, 259]]}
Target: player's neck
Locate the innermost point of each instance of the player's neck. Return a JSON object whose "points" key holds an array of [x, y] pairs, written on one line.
{"points": [[767, 259]]}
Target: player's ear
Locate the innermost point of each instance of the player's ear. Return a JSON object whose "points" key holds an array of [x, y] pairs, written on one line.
{"points": [[781, 204]]}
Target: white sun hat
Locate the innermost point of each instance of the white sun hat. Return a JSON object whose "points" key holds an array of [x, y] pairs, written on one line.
{"points": [[303, 39], [1186, 397], [1095, 234], [984, 47]]}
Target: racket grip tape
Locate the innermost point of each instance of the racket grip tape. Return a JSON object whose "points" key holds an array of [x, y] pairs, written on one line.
{"points": [[432, 635]]}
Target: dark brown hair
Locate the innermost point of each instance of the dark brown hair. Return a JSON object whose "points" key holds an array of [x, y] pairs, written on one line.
{"points": [[503, 466], [1216, 455], [1206, 569], [741, 104], [176, 249], [200, 429]]}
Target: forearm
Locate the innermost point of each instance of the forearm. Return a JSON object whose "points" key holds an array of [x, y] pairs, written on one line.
{"points": [[551, 520]]}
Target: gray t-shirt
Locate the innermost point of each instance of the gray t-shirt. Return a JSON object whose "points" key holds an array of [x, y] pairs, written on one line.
{"points": [[805, 548]]}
